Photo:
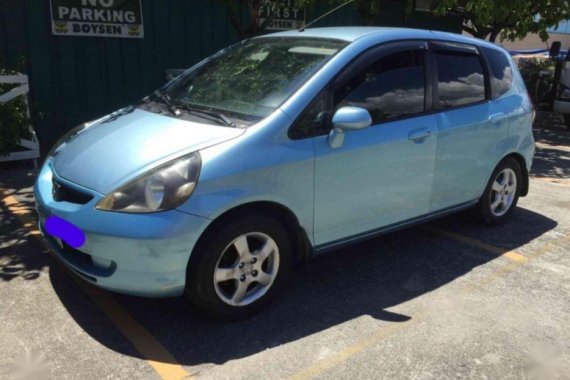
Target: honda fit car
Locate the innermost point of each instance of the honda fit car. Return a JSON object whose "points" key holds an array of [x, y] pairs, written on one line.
{"points": [[282, 147]]}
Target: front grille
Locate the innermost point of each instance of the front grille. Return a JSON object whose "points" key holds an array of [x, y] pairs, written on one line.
{"points": [[64, 193]]}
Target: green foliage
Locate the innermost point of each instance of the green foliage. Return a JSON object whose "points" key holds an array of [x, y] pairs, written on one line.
{"points": [[538, 74], [13, 119], [510, 20]]}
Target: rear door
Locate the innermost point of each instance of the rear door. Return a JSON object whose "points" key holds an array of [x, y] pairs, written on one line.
{"points": [[471, 131]]}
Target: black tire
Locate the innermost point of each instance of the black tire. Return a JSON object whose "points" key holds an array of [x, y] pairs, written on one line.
{"points": [[567, 120], [204, 261], [483, 210]]}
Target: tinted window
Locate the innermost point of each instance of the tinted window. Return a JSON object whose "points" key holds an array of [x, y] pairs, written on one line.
{"points": [[460, 79], [502, 73], [393, 86]]}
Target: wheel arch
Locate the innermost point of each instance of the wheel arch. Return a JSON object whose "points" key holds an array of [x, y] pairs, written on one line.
{"points": [[301, 245], [519, 158]]}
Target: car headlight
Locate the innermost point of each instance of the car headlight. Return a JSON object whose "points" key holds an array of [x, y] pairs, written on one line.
{"points": [[162, 188]]}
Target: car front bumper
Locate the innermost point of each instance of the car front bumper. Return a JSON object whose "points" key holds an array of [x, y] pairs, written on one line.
{"points": [[135, 254]]}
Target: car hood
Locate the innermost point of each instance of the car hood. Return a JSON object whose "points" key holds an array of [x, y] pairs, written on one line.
{"points": [[126, 144]]}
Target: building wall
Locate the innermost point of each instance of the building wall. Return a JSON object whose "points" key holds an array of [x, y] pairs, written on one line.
{"points": [[75, 79], [533, 41]]}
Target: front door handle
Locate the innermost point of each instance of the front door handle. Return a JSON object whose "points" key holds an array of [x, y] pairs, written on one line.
{"points": [[419, 135]]}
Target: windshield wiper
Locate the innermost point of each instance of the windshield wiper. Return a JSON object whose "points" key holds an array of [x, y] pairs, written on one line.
{"points": [[210, 115], [165, 99]]}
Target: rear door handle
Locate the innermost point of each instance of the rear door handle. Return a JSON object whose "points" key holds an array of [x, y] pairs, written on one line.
{"points": [[496, 118], [419, 134]]}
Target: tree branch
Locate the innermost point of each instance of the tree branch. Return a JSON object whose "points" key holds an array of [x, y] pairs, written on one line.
{"points": [[470, 30]]}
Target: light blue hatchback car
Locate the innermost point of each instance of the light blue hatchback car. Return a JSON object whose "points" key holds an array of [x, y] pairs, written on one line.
{"points": [[282, 147]]}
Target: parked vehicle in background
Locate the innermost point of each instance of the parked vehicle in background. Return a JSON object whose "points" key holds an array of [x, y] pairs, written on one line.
{"points": [[282, 147], [562, 101]]}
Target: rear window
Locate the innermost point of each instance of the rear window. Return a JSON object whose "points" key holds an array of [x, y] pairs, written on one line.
{"points": [[460, 79], [501, 71]]}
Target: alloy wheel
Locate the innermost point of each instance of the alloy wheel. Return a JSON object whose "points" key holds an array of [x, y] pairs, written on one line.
{"points": [[246, 269], [503, 192]]}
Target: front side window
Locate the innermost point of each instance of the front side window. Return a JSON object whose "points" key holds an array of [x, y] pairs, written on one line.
{"points": [[460, 79], [252, 79], [392, 87], [502, 73]]}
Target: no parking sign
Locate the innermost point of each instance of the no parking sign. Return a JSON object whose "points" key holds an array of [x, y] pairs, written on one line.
{"points": [[97, 18]]}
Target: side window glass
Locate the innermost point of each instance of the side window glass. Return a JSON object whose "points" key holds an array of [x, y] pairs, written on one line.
{"points": [[313, 121], [393, 86], [502, 73], [460, 79]]}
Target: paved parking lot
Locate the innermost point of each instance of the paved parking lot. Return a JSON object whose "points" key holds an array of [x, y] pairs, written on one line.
{"points": [[449, 299]]}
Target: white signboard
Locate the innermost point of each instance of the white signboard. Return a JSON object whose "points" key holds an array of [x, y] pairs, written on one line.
{"points": [[97, 18], [288, 15]]}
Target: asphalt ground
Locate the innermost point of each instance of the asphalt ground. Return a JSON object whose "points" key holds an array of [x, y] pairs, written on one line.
{"points": [[448, 299]]}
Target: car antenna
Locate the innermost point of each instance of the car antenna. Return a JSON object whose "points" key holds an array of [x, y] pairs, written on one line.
{"points": [[302, 29]]}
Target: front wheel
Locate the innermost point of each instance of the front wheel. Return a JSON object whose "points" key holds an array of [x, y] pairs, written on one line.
{"points": [[501, 194], [239, 266]]}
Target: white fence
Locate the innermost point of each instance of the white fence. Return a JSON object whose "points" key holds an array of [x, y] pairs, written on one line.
{"points": [[32, 146]]}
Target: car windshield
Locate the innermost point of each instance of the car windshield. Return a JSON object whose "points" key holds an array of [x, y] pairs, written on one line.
{"points": [[253, 78]]}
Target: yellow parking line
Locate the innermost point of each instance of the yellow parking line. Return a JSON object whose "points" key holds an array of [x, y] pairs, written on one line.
{"points": [[518, 261], [147, 345], [325, 364], [163, 362], [500, 272], [512, 255]]}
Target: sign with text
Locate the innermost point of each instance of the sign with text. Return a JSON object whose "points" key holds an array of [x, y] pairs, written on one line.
{"points": [[97, 18], [287, 15]]}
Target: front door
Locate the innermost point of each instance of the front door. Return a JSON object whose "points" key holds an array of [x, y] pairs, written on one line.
{"points": [[383, 174]]}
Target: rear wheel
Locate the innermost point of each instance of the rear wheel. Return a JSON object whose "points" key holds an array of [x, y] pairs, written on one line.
{"points": [[237, 270], [501, 194]]}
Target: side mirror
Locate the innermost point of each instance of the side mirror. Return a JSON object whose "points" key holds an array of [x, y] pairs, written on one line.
{"points": [[347, 119]]}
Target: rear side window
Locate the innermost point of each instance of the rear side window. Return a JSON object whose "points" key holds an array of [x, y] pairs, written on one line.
{"points": [[501, 70], [393, 86], [461, 79]]}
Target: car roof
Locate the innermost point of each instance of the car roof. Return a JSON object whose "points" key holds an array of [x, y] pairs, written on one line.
{"points": [[353, 33]]}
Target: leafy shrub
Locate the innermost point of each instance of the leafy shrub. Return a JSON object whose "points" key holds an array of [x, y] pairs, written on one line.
{"points": [[537, 74]]}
